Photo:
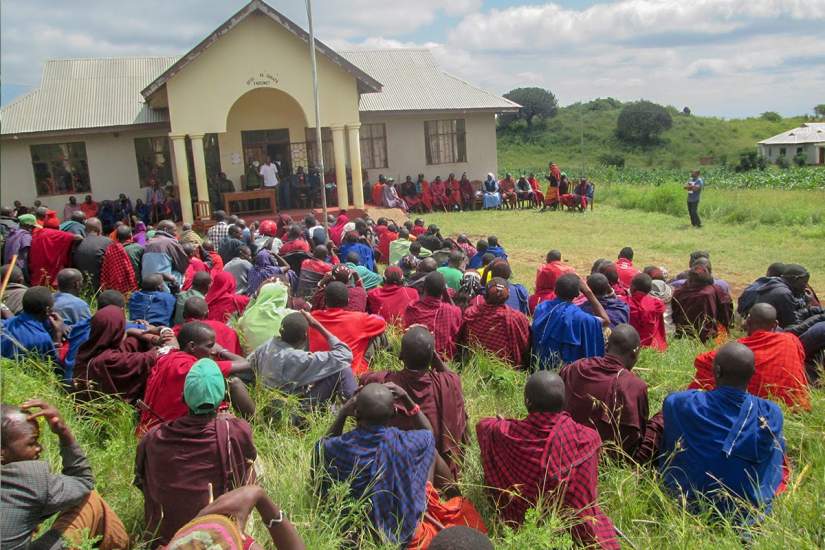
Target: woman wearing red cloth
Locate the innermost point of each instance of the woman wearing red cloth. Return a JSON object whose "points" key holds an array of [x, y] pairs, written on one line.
{"points": [[423, 188]]}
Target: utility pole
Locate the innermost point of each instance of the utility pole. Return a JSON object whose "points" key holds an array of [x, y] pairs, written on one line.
{"points": [[319, 145]]}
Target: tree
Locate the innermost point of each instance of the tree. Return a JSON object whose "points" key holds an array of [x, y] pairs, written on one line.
{"points": [[771, 116], [686, 111], [642, 122], [535, 102], [820, 110]]}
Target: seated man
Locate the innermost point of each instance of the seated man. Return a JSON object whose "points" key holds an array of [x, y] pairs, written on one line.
{"points": [[605, 394], [701, 308], [617, 309], [779, 361], [181, 464], [452, 271], [442, 318], [166, 382], [369, 279], [498, 328], [201, 282], [30, 493], [546, 277], [435, 389], [624, 265], [313, 270], [518, 298], [545, 456], [351, 244], [36, 329], [391, 467], [524, 191], [316, 377], [562, 332], [231, 245], [391, 299], [239, 267], [196, 309], [400, 247], [356, 329], [151, 303], [647, 313], [66, 302], [724, 445], [295, 241], [13, 296]]}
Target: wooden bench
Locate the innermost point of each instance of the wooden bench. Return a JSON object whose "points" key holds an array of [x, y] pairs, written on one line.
{"points": [[249, 202]]}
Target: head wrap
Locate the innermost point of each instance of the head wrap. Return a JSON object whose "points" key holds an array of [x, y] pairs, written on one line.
{"points": [[497, 293], [214, 532], [341, 273], [268, 228], [204, 388], [470, 284]]}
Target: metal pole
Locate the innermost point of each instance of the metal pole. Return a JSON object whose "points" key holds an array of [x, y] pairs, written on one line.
{"points": [[581, 143], [318, 141]]}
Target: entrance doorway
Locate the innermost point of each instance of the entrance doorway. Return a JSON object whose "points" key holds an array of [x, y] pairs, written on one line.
{"points": [[822, 155], [259, 144]]}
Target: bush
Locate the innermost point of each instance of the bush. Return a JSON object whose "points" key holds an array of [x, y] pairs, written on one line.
{"points": [[642, 123], [782, 162], [771, 116], [800, 159], [612, 159], [747, 161]]}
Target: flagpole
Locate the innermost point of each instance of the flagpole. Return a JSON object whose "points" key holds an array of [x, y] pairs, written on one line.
{"points": [[319, 145]]}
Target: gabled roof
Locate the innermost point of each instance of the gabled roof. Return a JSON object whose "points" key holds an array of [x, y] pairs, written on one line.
{"points": [[86, 94], [413, 82], [366, 83], [809, 132]]}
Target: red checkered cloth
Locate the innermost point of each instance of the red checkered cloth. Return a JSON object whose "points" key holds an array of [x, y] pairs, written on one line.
{"points": [[545, 454], [779, 368], [498, 329], [443, 320], [116, 272]]}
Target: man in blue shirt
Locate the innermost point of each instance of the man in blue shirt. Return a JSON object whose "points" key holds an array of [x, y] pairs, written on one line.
{"points": [[151, 303], [66, 302], [694, 188], [36, 329]]}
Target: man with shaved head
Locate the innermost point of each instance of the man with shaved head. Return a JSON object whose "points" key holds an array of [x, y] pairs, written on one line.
{"points": [[391, 467], [165, 255], [67, 303], [546, 277], [725, 445], [779, 361], [30, 493], [13, 296], [545, 456], [75, 223], [88, 255], [355, 328], [434, 388], [605, 393], [196, 309], [164, 389], [436, 311]]}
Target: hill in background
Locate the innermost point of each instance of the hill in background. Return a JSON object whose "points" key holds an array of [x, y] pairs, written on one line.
{"points": [[691, 141]]}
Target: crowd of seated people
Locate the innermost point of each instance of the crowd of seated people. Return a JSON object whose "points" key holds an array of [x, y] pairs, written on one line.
{"points": [[461, 194], [183, 324]]}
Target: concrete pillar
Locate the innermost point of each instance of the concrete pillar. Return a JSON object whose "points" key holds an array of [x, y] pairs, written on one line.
{"points": [[200, 167], [182, 177], [354, 135], [340, 151]]}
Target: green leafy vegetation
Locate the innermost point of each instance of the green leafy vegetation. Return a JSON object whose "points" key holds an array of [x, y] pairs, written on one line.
{"points": [[537, 105]]}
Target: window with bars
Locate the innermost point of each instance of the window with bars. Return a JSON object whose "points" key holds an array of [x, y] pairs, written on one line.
{"points": [[445, 141], [326, 144], [153, 160], [373, 146], [60, 168]]}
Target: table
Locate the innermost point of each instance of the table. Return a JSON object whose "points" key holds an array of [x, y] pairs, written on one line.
{"points": [[250, 202]]}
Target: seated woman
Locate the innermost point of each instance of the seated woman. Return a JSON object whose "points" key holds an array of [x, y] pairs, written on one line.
{"points": [[538, 196], [114, 360], [263, 316], [491, 197], [524, 192], [222, 299], [357, 295], [507, 188], [411, 195], [391, 197]]}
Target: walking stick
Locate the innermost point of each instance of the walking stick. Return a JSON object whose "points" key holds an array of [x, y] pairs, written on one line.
{"points": [[6, 279]]}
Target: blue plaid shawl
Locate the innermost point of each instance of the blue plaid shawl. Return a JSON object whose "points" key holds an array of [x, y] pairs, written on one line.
{"points": [[393, 465]]}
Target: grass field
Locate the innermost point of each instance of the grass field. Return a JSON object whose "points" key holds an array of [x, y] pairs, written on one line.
{"points": [[630, 495]]}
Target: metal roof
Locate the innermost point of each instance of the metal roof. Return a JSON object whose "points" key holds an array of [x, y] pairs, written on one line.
{"points": [[366, 83], [81, 94], [809, 132], [413, 82]]}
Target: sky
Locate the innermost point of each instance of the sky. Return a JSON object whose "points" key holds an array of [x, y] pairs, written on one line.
{"points": [[727, 58]]}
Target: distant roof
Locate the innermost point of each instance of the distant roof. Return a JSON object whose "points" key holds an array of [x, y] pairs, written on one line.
{"points": [[86, 94], [366, 83], [809, 132], [413, 82]]}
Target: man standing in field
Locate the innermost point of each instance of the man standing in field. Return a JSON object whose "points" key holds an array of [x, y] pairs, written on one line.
{"points": [[694, 188]]}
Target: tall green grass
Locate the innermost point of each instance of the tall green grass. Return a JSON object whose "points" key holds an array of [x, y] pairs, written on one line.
{"points": [[631, 495]]}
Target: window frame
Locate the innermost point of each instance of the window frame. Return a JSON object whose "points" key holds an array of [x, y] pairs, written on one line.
{"points": [[71, 153], [445, 144], [373, 147], [140, 159]]}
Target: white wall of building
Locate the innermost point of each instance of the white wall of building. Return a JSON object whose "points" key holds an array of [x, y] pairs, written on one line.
{"points": [[773, 152], [112, 167], [406, 155]]}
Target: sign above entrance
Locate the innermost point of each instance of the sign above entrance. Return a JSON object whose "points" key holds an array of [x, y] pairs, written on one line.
{"points": [[262, 79]]}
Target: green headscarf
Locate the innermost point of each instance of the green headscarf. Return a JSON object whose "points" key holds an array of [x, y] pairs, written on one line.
{"points": [[262, 318], [369, 279]]}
